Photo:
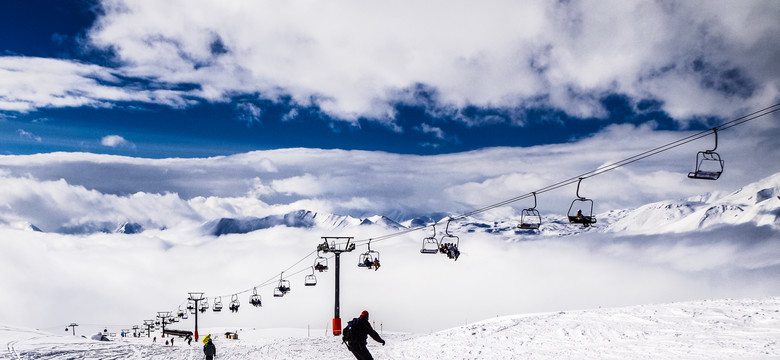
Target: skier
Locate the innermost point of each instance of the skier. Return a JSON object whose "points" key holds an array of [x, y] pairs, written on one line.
{"points": [[356, 336], [210, 350]]}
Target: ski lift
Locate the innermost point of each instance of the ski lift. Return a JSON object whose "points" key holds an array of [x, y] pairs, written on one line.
{"points": [[204, 305], [709, 166], [181, 313], [320, 263], [310, 280], [254, 299], [530, 218], [191, 307], [234, 304], [579, 217], [369, 259], [449, 243], [430, 245], [217, 305], [283, 288]]}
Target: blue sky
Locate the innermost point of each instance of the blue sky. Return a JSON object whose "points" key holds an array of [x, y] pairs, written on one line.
{"points": [[195, 79]]}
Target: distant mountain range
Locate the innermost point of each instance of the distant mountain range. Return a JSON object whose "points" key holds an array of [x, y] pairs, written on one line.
{"points": [[757, 203]]}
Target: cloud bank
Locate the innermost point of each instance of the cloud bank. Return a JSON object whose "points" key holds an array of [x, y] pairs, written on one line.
{"points": [[362, 183]]}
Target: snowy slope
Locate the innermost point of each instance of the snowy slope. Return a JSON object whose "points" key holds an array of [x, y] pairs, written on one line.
{"points": [[714, 329]]}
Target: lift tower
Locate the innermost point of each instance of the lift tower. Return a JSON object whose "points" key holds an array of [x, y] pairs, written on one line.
{"points": [[336, 248]]}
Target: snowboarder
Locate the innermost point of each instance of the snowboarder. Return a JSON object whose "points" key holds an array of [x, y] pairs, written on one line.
{"points": [[356, 335], [210, 350], [189, 340], [171, 341]]}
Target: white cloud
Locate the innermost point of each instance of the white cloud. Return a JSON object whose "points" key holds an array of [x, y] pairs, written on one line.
{"points": [[355, 59], [307, 185], [28, 83], [116, 141], [28, 135], [249, 113]]}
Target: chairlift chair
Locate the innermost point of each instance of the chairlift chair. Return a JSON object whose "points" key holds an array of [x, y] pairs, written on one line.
{"points": [[234, 303], [709, 165], [320, 263], [254, 299], [370, 258], [310, 280], [204, 305], [430, 245], [449, 244], [191, 306], [217, 305], [577, 216], [181, 313], [530, 218], [283, 288]]}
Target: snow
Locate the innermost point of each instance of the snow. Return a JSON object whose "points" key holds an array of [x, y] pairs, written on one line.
{"points": [[710, 329]]}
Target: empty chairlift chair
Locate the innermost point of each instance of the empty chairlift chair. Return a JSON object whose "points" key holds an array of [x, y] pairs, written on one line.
{"points": [[310, 280], [530, 218], [580, 216], [430, 245], [709, 165], [217, 305]]}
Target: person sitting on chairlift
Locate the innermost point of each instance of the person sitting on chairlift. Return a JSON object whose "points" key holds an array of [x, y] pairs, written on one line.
{"points": [[368, 263], [320, 267], [451, 250], [581, 218], [376, 264]]}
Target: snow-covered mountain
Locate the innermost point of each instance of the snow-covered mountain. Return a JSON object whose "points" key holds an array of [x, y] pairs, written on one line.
{"points": [[757, 204], [299, 219]]}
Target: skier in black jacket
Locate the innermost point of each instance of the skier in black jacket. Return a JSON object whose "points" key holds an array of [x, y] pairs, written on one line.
{"points": [[210, 350], [362, 329]]}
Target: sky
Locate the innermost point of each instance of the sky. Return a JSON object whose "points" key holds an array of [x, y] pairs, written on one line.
{"points": [[204, 78]]}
